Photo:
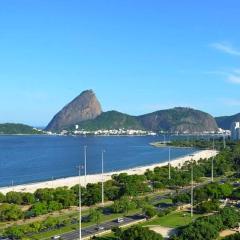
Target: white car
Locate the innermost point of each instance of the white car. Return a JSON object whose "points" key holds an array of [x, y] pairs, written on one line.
{"points": [[56, 237], [100, 228], [120, 220]]}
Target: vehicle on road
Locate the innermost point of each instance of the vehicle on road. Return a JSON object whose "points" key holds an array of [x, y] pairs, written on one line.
{"points": [[100, 228], [120, 220], [56, 237]]}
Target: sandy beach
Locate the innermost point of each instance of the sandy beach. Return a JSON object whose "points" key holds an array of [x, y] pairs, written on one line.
{"points": [[94, 178]]}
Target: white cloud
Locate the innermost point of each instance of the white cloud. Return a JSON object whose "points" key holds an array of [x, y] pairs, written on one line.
{"points": [[231, 76], [226, 48], [234, 79]]}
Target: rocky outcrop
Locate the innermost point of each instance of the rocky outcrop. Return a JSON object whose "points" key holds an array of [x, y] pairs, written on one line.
{"points": [[85, 110], [84, 107], [180, 119]]}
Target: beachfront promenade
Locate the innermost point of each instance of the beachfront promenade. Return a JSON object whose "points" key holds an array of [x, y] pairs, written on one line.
{"points": [[95, 178]]}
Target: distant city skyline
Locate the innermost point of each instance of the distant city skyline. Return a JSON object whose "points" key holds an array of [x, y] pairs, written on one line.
{"points": [[137, 56]]}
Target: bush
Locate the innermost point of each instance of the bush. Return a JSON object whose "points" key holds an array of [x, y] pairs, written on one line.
{"points": [[28, 198], [39, 208], [123, 205], [149, 211], [208, 206], [139, 233], [166, 211], [10, 212], [2, 198], [14, 197]]}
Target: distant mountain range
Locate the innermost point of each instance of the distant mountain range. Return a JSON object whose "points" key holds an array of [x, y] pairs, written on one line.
{"points": [[86, 111], [171, 120], [226, 121]]}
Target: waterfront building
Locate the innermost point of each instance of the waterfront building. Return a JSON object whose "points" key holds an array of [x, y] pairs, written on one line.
{"points": [[235, 131]]}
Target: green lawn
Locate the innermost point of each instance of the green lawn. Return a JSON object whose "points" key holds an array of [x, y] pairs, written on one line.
{"points": [[164, 200], [173, 220]]}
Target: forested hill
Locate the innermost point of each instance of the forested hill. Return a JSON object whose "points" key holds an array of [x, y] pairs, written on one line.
{"points": [[179, 119], [16, 128], [171, 120], [111, 120]]}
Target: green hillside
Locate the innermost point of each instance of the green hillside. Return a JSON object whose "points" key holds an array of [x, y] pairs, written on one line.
{"points": [[16, 128], [111, 120], [179, 119], [171, 120]]}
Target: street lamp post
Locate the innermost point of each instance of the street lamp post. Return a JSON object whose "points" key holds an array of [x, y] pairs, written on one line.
{"points": [[192, 190], [224, 141], [169, 163], [85, 166], [103, 151], [192, 186], [80, 204], [212, 177]]}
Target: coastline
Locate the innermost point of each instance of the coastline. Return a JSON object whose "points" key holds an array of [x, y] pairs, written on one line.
{"points": [[95, 178]]}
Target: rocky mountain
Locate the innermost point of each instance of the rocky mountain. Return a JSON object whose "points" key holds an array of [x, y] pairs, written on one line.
{"points": [[179, 119], [85, 110], [17, 128], [226, 121], [84, 107]]}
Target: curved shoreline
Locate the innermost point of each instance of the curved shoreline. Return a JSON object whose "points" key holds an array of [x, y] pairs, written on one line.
{"points": [[95, 178]]}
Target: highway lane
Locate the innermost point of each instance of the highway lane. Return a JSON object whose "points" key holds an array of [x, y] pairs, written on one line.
{"points": [[94, 230]]}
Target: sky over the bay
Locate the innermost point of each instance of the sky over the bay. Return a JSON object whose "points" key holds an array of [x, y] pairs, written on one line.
{"points": [[138, 56]]}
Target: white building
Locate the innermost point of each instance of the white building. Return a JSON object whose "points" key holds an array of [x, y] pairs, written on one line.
{"points": [[235, 131]]}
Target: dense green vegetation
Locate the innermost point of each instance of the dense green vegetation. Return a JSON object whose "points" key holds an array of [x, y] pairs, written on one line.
{"points": [[12, 128], [208, 228], [179, 119], [128, 193], [170, 120], [218, 144], [138, 233], [233, 237], [111, 120], [213, 191]]}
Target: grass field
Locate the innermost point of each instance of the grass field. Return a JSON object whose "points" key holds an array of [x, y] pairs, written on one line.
{"points": [[173, 220]]}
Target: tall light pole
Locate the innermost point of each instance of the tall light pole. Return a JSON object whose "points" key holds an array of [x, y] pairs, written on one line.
{"points": [[85, 166], [192, 189], [212, 178], [103, 151], [80, 204], [224, 141], [169, 163]]}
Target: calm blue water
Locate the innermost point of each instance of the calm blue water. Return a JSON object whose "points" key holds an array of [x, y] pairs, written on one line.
{"points": [[25, 159]]}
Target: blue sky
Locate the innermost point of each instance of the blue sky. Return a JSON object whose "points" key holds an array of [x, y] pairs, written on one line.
{"points": [[138, 56]]}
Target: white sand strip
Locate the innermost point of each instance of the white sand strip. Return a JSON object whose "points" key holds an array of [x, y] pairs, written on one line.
{"points": [[95, 178]]}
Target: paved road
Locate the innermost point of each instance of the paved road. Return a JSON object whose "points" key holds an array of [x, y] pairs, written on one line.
{"points": [[93, 230]]}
